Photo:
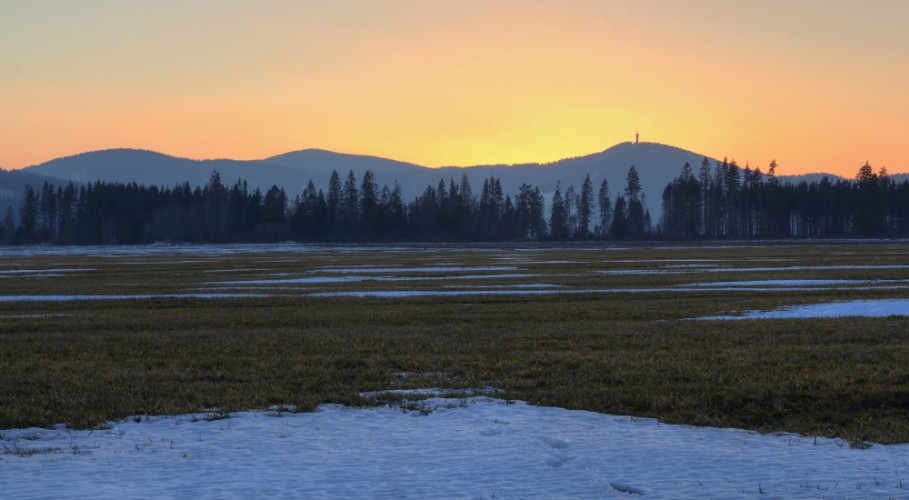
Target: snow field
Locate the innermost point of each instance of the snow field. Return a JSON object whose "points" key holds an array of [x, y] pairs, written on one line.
{"points": [[470, 448]]}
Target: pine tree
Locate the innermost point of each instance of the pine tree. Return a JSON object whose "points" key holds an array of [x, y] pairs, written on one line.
{"points": [[216, 200], [368, 204], [635, 222], [633, 186], [869, 215], [349, 206], [571, 211], [333, 202], [9, 226], [558, 219], [705, 225], [28, 216], [585, 205], [605, 204], [619, 226]]}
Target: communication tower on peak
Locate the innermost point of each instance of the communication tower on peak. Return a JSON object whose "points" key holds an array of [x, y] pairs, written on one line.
{"points": [[636, 137]]}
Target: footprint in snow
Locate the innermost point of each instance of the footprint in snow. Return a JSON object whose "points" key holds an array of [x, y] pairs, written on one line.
{"points": [[624, 488], [559, 444], [558, 460]]}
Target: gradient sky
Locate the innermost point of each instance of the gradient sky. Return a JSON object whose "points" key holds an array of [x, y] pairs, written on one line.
{"points": [[819, 85]]}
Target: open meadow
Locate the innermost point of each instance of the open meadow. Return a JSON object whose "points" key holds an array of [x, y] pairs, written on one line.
{"points": [[93, 335]]}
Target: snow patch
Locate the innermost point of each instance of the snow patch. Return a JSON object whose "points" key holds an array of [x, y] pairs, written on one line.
{"points": [[865, 308], [482, 448], [356, 279], [54, 271], [68, 298], [644, 272], [428, 269], [790, 283]]}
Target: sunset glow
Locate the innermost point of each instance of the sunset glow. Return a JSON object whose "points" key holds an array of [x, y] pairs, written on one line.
{"points": [[818, 85]]}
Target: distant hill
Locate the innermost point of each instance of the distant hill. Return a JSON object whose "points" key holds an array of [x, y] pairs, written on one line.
{"points": [[13, 183], [151, 168], [809, 178], [318, 161], [657, 165]]}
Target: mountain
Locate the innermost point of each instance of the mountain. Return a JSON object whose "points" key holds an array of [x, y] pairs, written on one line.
{"points": [[657, 165], [13, 183], [149, 167], [809, 178], [318, 164], [317, 161]]}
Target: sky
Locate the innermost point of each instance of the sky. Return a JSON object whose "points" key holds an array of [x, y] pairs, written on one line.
{"points": [[818, 85]]}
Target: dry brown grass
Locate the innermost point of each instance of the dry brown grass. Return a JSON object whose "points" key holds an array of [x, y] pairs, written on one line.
{"points": [[628, 353]]}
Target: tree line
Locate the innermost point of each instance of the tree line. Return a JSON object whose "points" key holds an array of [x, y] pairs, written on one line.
{"points": [[722, 201], [728, 202]]}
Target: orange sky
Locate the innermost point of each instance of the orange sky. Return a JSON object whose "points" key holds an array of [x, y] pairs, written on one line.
{"points": [[819, 85]]}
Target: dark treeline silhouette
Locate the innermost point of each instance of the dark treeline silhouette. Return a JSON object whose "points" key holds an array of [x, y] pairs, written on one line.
{"points": [[719, 202], [728, 202], [349, 210]]}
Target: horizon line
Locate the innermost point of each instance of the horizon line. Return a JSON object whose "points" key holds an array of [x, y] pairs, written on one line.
{"points": [[368, 155]]}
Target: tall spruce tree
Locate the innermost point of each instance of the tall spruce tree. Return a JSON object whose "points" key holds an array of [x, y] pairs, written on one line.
{"points": [[636, 222], [605, 205], [585, 208], [558, 218]]}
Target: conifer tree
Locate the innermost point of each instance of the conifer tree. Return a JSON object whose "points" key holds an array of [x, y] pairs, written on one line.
{"points": [[605, 224], [585, 205]]}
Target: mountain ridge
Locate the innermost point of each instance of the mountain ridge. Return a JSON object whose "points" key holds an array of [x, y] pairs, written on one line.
{"points": [[657, 165]]}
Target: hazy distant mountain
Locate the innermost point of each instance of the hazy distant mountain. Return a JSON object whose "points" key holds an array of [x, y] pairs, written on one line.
{"points": [[809, 178], [318, 164], [657, 165], [13, 183], [318, 161], [149, 167]]}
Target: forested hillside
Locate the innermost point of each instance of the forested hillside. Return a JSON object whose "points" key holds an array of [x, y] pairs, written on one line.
{"points": [[719, 201]]}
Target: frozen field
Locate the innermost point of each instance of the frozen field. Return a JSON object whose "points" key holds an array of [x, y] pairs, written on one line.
{"points": [[564, 321], [474, 448], [299, 271]]}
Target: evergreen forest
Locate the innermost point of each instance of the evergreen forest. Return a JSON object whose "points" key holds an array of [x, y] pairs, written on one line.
{"points": [[717, 202]]}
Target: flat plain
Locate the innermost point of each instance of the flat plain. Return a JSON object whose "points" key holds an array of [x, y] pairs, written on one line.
{"points": [[89, 335]]}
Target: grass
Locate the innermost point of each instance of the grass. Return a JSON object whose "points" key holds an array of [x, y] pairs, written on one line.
{"points": [[27, 451], [83, 363]]}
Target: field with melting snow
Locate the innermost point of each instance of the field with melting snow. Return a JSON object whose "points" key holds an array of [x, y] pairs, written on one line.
{"points": [[91, 336], [474, 448]]}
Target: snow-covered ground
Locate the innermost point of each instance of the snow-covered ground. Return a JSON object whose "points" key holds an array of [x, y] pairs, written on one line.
{"points": [[69, 298], [866, 308], [475, 447], [470, 448]]}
